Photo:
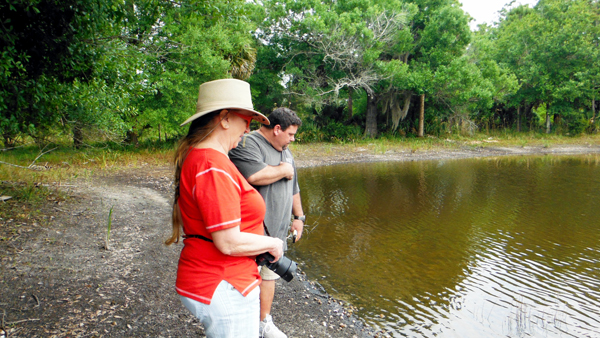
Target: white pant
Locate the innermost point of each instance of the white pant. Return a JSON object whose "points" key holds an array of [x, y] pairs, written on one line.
{"points": [[229, 315]]}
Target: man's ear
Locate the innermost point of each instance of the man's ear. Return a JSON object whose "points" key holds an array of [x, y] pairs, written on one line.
{"points": [[277, 130]]}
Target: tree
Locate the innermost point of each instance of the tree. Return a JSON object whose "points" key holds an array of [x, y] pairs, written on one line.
{"points": [[66, 66], [553, 51], [39, 43], [115, 67], [442, 34], [470, 85], [193, 42], [333, 46], [388, 49]]}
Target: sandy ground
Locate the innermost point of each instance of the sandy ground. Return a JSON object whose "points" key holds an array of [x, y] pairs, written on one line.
{"points": [[57, 279]]}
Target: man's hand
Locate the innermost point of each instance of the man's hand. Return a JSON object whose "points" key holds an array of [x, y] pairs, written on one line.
{"points": [[271, 174], [287, 170], [297, 225]]}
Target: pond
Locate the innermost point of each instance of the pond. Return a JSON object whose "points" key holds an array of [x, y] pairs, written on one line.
{"points": [[495, 247]]}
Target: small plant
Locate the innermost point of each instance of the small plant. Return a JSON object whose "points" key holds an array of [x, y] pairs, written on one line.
{"points": [[106, 246], [381, 148]]}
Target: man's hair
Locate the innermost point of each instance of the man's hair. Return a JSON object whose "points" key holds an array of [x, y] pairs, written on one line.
{"points": [[284, 117]]}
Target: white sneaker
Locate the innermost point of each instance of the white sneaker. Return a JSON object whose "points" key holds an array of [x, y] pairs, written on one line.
{"points": [[268, 330]]}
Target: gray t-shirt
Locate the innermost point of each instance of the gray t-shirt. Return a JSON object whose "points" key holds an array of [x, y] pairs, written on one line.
{"points": [[253, 153]]}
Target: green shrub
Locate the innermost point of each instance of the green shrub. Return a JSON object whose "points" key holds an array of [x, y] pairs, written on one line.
{"points": [[309, 132], [338, 132], [577, 125]]}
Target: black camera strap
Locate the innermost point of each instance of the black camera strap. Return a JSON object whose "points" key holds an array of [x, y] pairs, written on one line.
{"points": [[210, 240], [198, 236]]}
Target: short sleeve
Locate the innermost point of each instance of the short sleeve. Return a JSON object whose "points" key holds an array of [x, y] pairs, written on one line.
{"points": [[218, 197], [247, 156]]}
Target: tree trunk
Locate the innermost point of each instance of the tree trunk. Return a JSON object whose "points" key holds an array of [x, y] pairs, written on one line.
{"points": [[350, 92], [519, 118], [593, 110], [422, 117], [77, 135], [529, 115], [407, 98], [132, 137], [371, 126], [548, 119]]}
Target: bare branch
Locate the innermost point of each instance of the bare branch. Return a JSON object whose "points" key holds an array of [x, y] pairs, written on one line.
{"points": [[41, 154], [21, 146], [15, 165], [30, 166], [345, 53]]}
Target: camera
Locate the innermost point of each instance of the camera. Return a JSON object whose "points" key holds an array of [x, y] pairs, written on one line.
{"points": [[284, 267]]}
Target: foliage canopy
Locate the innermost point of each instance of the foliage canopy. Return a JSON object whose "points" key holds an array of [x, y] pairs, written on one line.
{"points": [[124, 69]]}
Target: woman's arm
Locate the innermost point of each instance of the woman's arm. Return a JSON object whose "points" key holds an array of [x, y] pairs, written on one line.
{"points": [[233, 242]]}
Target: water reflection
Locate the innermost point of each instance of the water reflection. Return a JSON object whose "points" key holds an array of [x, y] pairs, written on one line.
{"points": [[469, 248]]}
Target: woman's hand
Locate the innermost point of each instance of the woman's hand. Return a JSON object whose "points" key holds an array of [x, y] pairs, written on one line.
{"points": [[277, 250]]}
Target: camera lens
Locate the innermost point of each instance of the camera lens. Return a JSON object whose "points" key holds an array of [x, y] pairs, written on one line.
{"points": [[284, 267]]}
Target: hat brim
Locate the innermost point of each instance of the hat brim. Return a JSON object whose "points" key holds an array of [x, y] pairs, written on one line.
{"points": [[256, 116]]}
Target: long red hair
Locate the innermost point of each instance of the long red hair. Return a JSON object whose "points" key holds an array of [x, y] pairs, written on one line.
{"points": [[199, 130]]}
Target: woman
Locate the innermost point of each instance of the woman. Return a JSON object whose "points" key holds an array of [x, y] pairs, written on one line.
{"points": [[221, 215]]}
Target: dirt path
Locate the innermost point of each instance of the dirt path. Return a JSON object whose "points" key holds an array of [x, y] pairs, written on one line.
{"points": [[58, 280]]}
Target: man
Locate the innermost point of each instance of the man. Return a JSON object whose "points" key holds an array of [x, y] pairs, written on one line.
{"points": [[264, 159]]}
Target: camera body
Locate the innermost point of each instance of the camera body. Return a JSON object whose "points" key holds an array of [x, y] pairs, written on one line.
{"points": [[284, 267]]}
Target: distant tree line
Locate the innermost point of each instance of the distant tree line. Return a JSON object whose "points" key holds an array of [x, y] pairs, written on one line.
{"points": [[124, 70]]}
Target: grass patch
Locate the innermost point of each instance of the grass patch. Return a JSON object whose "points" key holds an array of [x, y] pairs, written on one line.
{"points": [[33, 187], [66, 163], [400, 144]]}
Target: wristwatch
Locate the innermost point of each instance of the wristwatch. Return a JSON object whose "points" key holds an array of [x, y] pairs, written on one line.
{"points": [[302, 218]]}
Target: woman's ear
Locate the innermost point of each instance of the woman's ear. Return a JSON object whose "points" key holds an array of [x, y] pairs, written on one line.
{"points": [[224, 119]]}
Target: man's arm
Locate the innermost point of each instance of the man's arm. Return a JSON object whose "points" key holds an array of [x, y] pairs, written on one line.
{"points": [[297, 224], [271, 174]]}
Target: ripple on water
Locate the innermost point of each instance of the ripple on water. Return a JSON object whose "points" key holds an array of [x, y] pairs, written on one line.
{"points": [[476, 248]]}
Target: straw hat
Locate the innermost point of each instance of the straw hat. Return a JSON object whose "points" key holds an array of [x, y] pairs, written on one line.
{"points": [[224, 94]]}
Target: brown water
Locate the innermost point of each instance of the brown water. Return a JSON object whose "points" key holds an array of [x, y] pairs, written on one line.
{"points": [[503, 247]]}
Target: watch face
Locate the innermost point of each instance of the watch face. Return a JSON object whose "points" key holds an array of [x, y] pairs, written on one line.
{"points": [[302, 218]]}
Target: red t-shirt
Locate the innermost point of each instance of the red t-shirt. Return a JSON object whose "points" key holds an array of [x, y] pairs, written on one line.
{"points": [[214, 196]]}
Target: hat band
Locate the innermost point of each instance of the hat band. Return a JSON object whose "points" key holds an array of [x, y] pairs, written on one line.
{"points": [[222, 105]]}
